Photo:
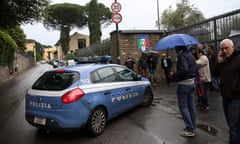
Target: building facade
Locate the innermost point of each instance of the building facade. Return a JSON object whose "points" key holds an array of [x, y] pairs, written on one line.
{"points": [[77, 41], [30, 46], [50, 53]]}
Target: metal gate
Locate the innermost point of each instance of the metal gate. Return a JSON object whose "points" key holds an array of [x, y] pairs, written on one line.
{"points": [[213, 30]]}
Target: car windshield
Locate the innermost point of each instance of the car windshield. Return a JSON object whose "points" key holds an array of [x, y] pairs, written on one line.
{"points": [[56, 80]]}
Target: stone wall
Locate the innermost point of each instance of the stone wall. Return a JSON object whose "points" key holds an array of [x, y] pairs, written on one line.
{"points": [[128, 42], [20, 64]]}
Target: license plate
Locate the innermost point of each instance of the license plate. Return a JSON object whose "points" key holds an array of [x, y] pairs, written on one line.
{"points": [[41, 121]]}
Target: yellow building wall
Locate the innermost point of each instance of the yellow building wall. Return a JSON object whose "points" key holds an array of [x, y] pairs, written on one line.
{"points": [[73, 43], [48, 53], [56, 52], [30, 45]]}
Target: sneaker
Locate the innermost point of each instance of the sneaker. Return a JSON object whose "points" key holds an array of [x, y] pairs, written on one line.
{"points": [[186, 133], [154, 84], [206, 108], [199, 107]]}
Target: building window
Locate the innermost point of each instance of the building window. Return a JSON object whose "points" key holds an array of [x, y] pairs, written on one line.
{"points": [[81, 43]]}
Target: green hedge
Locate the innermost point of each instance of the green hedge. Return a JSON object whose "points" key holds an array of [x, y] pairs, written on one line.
{"points": [[7, 48]]}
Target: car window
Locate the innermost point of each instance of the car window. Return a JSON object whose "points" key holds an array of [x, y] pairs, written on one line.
{"points": [[56, 80], [95, 77], [103, 75], [124, 74]]}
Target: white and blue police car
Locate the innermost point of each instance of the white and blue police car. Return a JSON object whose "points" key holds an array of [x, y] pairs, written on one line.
{"points": [[85, 95]]}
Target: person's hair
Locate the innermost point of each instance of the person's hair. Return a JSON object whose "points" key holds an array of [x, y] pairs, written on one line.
{"points": [[200, 46], [180, 48], [229, 41], [211, 47], [199, 50]]}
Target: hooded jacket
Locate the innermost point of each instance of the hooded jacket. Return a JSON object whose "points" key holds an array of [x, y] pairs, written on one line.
{"points": [[185, 66]]}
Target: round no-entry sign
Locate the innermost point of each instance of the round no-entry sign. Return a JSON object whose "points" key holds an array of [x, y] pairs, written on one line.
{"points": [[116, 18], [116, 7]]}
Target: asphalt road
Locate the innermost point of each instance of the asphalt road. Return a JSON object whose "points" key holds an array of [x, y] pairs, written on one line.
{"points": [[160, 123]]}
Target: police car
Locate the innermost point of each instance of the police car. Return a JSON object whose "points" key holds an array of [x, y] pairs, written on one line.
{"points": [[85, 95]]}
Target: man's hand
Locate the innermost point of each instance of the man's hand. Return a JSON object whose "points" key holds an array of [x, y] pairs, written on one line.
{"points": [[220, 57]]}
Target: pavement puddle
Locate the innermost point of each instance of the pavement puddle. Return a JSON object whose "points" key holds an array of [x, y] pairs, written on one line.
{"points": [[209, 129]]}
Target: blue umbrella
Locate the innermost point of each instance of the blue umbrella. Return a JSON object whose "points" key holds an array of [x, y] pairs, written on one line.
{"points": [[173, 40]]}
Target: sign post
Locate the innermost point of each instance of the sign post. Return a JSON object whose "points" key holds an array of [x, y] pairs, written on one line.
{"points": [[117, 18]]}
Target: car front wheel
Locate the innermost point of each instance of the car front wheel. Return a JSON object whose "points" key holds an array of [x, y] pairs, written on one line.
{"points": [[97, 121], [148, 97]]}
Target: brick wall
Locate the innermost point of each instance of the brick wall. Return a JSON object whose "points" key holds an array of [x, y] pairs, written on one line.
{"points": [[128, 44]]}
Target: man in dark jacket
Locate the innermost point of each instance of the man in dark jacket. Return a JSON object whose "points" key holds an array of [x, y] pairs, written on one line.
{"points": [[184, 76], [228, 68], [152, 67], [166, 64], [142, 65], [129, 62], [212, 62]]}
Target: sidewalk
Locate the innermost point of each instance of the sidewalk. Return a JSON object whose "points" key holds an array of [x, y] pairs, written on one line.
{"points": [[212, 122]]}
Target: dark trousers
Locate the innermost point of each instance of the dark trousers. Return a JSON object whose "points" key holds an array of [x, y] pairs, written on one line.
{"points": [[203, 100], [167, 75], [231, 109]]}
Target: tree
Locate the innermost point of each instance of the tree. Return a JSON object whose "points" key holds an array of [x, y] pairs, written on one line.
{"points": [[16, 12], [97, 14], [184, 15], [39, 51], [7, 49], [13, 14], [64, 17], [18, 35]]}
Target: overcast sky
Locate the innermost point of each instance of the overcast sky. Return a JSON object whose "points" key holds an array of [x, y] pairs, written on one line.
{"points": [[137, 14]]}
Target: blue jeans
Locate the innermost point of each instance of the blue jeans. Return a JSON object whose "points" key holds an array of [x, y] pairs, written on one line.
{"points": [[186, 103], [214, 83], [231, 109]]}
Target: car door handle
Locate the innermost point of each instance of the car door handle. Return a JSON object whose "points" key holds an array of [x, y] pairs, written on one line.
{"points": [[127, 89], [107, 93]]}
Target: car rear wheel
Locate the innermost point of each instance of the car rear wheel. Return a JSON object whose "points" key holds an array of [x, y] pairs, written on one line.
{"points": [[148, 97], [97, 121]]}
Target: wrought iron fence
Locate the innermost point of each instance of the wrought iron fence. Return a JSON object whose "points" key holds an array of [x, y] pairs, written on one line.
{"points": [[213, 30]]}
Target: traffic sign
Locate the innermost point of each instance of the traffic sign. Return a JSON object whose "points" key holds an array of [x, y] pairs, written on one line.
{"points": [[116, 7], [116, 18]]}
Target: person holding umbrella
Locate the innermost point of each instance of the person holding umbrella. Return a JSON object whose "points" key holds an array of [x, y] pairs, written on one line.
{"points": [[152, 67], [184, 76], [143, 64]]}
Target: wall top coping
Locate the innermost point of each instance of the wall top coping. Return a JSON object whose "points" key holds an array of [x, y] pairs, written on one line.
{"points": [[140, 32]]}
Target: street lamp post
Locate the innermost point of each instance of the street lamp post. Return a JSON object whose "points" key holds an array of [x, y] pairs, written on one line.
{"points": [[158, 22]]}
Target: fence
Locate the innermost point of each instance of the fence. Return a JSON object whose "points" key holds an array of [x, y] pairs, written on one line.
{"points": [[213, 30]]}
